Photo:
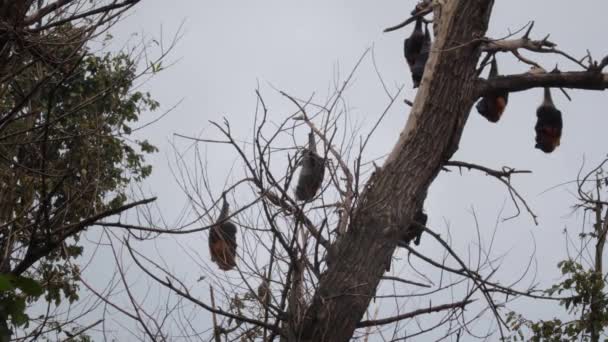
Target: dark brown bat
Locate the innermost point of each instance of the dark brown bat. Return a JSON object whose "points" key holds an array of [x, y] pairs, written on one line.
{"points": [[422, 57], [311, 173], [548, 125], [222, 240], [413, 45], [412, 231]]}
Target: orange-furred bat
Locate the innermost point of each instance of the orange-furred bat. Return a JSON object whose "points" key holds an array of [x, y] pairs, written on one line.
{"points": [[492, 106], [222, 240]]}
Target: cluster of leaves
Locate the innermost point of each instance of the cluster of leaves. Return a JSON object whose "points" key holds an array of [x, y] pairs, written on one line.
{"points": [[586, 284], [15, 293], [65, 156], [586, 287]]}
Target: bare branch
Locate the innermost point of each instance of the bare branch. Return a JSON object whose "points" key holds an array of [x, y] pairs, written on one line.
{"points": [[410, 20], [503, 176], [457, 305], [349, 193], [186, 295], [505, 172], [509, 45], [405, 281], [39, 251], [589, 80], [44, 11]]}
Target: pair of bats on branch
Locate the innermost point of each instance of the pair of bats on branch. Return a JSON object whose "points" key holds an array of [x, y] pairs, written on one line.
{"points": [[549, 119], [549, 123], [222, 235]]}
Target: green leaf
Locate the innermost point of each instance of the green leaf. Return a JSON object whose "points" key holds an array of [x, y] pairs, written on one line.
{"points": [[20, 319], [29, 286], [5, 282]]}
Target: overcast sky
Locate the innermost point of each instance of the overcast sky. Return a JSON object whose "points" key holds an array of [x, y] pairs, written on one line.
{"points": [[229, 47]]}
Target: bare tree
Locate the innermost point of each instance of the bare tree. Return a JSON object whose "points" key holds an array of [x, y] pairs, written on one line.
{"points": [[308, 270]]}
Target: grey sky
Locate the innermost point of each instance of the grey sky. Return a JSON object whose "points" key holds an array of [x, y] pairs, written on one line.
{"points": [[230, 46]]}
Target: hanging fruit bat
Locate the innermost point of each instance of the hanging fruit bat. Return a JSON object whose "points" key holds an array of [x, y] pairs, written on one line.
{"points": [[420, 218], [222, 240], [413, 45], [420, 62], [311, 173], [413, 231], [548, 125], [492, 106]]}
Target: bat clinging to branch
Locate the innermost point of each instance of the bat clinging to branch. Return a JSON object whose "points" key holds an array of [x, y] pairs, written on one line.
{"points": [[413, 45], [222, 240], [492, 106], [311, 173], [548, 125]]}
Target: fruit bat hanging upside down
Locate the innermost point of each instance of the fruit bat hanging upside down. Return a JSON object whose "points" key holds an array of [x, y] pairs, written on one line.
{"points": [[548, 125], [222, 240], [492, 106], [416, 49], [311, 173]]}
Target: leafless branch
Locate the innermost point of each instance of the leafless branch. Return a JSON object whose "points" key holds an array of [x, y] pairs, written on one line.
{"points": [[589, 80], [458, 305]]}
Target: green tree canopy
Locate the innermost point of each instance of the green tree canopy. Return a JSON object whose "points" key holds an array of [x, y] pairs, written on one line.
{"points": [[66, 157]]}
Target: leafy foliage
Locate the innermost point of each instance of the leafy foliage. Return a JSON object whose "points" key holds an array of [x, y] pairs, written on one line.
{"points": [[586, 289], [15, 293], [65, 156]]}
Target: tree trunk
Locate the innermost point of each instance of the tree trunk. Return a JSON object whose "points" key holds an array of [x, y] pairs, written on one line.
{"points": [[596, 307], [389, 201]]}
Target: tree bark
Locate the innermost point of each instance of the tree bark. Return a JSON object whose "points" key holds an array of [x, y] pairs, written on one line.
{"points": [[596, 307], [589, 80], [388, 203]]}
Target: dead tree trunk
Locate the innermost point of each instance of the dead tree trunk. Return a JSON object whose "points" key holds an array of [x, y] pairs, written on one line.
{"points": [[429, 139]]}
